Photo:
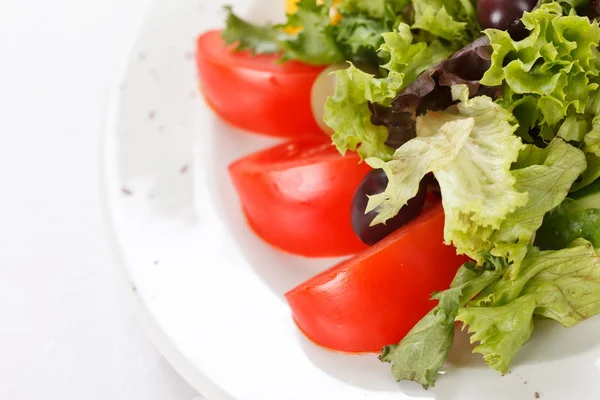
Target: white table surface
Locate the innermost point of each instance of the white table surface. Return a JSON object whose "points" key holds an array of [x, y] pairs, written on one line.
{"points": [[67, 330]]}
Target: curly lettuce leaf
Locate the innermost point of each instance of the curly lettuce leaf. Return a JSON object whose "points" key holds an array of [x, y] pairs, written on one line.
{"points": [[421, 354], [413, 161], [470, 149], [432, 91], [452, 20], [576, 217], [569, 5], [315, 42], [549, 74], [566, 224], [347, 112], [590, 175], [547, 176], [592, 138], [500, 331], [259, 39], [561, 285], [373, 8], [309, 35], [478, 189]]}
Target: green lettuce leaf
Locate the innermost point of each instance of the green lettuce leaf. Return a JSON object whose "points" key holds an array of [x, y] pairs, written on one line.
{"points": [[592, 138], [421, 354], [470, 149], [546, 175], [259, 39], [356, 37], [569, 5], [452, 20], [568, 223], [347, 112], [315, 42], [413, 161], [501, 331], [373, 8], [478, 189], [561, 285], [568, 289], [590, 175], [551, 73], [576, 217]]}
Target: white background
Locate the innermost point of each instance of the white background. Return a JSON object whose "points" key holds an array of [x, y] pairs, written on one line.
{"points": [[66, 328]]}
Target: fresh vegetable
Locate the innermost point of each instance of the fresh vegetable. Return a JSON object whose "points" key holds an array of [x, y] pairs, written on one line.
{"points": [[347, 112], [510, 128], [372, 113], [548, 77], [330, 32], [375, 183], [576, 217], [470, 150], [254, 92], [319, 32], [561, 285], [297, 196], [451, 20], [377, 297]]}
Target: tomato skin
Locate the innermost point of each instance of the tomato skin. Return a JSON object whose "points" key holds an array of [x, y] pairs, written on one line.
{"points": [[297, 196], [375, 299], [257, 92]]}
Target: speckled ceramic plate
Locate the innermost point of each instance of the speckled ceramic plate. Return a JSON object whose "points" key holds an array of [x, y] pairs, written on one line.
{"points": [[211, 293]]}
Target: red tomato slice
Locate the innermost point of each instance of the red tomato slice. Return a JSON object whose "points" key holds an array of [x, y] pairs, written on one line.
{"points": [[374, 299], [297, 196], [257, 92]]}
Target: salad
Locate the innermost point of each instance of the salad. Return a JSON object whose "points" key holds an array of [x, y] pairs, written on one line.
{"points": [[452, 147]]}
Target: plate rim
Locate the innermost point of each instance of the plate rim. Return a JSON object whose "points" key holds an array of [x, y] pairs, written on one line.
{"points": [[107, 163]]}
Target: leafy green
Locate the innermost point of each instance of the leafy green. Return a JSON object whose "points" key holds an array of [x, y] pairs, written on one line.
{"points": [[491, 205], [421, 354], [550, 74], [478, 189], [373, 8], [413, 161], [452, 20], [258, 39], [310, 36], [561, 285], [347, 112], [546, 175], [315, 42], [576, 217], [566, 224], [569, 5], [470, 149], [501, 331], [592, 139], [590, 175]]}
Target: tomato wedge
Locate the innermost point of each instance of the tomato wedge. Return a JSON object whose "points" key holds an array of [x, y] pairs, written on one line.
{"points": [[257, 92], [297, 196], [374, 299]]}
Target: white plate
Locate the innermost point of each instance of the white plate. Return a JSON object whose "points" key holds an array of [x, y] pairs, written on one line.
{"points": [[211, 293]]}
